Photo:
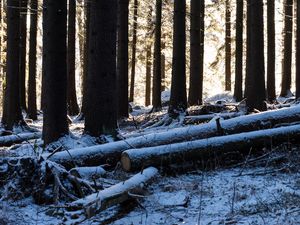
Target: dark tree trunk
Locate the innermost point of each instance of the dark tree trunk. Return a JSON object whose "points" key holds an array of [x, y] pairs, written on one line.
{"points": [[133, 51], [156, 94], [12, 115], [197, 52], [298, 52], [178, 100], [55, 123], [23, 36], [73, 107], [238, 87], [122, 58], [255, 58], [271, 91], [287, 50], [227, 46], [148, 58], [32, 105], [101, 113]]}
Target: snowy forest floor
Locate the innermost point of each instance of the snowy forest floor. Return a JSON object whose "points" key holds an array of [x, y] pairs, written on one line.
{"points": [[261, 190]]}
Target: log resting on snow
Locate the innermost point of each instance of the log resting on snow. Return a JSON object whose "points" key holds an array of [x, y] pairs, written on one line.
{"points": [[208, 117], [111, 152], [18, 138], [206, 148], [88, 173], [115, 194]]}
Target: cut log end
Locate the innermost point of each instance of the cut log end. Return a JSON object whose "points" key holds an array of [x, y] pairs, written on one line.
{"points": [[125, 161]]}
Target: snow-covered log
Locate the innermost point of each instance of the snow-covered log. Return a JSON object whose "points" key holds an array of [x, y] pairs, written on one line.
{"points": [[204, 149], [115, 194], [88, 173], [18, 138], [208, 117], [111, 152]]}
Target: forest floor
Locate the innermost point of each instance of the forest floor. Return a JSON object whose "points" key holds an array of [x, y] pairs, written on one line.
{"points": [[253, 192]]}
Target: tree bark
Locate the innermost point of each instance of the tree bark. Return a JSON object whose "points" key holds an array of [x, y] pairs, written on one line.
{"points": [[101, 107], [238, 86], [133, 50], [73, 107], [32, 105], [227, 46], [196, 55], [178, 99], [96, 155], [148, 58], [199, 150], [255, 82], [18, 138], [12, 115], [55, 123], [298, 52], [122, 58], [287, 50]]}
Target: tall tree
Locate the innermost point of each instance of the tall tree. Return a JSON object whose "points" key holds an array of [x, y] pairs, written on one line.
{"points": [[255, 95], [271, 91], [287, 50], [227, 46], [73, 107], [148, 57], [122, 58], [133, 50], [12, 115], [178, 99], [32, 106], [22, 65], [156, 97], [197, 52], [101, 113], [298, 51], [238, 86], [54, 82]]}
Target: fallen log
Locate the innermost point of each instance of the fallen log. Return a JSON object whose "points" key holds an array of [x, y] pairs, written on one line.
{"points": [[134, 159], [18, 138], [88, 173], [208, 117], [115, 194], [111, 152]]}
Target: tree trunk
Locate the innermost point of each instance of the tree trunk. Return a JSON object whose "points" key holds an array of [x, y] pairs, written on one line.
{"points": [[156, 93], [178, 99], [133, 50], [18, 138], [96, 155], [122, 58], [287, 49], [255, 95], [298, 52], [271, 91], [197, 48], [238, 86], [55, 123], [23, 36], [163, 62], [101, 112], [200, 150], [12, 115], [73, 107], [32, 105], [227, 46], [148, 58]]}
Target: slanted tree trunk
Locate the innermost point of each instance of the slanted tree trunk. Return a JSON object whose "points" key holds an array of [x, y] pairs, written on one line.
{"points": [[55, 123], [156, 93], [197, 48], [122, 58], [12, 115], [287, 49], [148, 58], [298, 52], [227, 46], [271, 91], [238, 86], [255, 95], [133, 50], [178, 99], [101, 111], [73, 107], [23, 41], [32, 105]]}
